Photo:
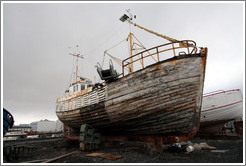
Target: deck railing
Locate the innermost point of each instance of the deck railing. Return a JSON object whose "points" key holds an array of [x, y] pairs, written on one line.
{"points": [[82, 100], [188, 45]]}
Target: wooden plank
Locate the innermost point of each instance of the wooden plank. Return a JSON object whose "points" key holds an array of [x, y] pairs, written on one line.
{"points": [[35, 161], [59, 157]]}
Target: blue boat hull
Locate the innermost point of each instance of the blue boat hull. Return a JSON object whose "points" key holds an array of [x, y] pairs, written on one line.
{"points": [[8, 121]]}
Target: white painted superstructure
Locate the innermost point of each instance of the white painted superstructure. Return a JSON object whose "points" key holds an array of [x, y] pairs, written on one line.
{"points": [[222, 106]]}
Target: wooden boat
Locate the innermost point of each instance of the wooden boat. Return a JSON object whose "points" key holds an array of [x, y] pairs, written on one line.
{"points": [[220, 110], [159, 102]]}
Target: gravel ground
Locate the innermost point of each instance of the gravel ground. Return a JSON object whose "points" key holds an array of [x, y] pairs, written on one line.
{"points": [[228, 151]]}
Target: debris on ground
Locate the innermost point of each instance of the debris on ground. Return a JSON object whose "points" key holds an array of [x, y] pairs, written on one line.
{"points": [[193, 151], [103, 155], [59, 157], [219, 151], [189, 147]]}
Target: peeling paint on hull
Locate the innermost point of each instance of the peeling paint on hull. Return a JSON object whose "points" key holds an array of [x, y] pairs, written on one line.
{"points": [[162, 99]]}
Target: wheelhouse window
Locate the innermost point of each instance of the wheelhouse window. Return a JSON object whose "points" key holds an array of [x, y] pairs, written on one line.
{"points": [[82, 87], [75, 88]]}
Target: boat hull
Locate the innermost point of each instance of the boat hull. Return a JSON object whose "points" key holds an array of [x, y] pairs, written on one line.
{"points": [[222, 113], [222, 106], [162, 99], [8, 121]]}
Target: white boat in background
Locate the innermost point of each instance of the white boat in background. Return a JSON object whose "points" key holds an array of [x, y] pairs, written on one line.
{"points": [[222, 106], [219, 108]]}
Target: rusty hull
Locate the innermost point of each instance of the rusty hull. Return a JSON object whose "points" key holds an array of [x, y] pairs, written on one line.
{"points": [[162, 101]]}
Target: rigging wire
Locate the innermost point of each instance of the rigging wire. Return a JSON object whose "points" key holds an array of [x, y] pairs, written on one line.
{"points": [[70, 79], [103, 60], [81, 68], [107, 40], [110, 49], [116, 44]]}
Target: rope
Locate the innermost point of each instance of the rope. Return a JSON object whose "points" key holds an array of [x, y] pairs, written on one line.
{"points": [[116, 44], [103, 60]]}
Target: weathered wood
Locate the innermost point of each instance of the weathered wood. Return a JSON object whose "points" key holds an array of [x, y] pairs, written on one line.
{"points": [[35, 161], [59, 157], [163, 98]]}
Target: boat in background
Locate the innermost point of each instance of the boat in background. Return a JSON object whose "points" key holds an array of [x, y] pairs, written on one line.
{"points": [[222, 110], [8, 120]]}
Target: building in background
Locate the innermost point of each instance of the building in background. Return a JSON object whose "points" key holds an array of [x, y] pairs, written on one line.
{"points": [[46, 126], [43, 126], [21, 127], [59, 126], [34, 125]]}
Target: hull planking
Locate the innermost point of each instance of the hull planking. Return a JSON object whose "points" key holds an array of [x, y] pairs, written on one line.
{"points": [[162, 99]]}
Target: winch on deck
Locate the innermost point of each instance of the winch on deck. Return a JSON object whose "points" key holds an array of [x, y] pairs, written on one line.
{"points": [[107, 74]]}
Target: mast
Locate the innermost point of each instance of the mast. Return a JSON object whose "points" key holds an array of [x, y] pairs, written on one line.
{"points": [[131, 45], [134, 44], [77, 60], [129, 19]]}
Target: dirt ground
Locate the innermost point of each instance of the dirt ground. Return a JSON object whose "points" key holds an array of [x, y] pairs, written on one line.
{"points": [[227, 151]]}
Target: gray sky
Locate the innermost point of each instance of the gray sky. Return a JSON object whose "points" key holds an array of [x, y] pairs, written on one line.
{"points": [[37, 37]]}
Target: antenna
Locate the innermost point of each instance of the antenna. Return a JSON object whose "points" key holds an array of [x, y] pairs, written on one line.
{"points": [[124, 18], [77, 55], [127, 17]]}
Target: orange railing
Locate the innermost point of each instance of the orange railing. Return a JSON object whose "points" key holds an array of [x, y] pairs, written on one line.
{"points": [[188, 45]]}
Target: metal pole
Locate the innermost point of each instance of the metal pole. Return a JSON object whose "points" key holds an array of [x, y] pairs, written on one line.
{"points": [[130, 37]]}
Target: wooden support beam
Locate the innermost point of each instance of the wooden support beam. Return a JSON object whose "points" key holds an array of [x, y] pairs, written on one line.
{"points": [[59, 157]]}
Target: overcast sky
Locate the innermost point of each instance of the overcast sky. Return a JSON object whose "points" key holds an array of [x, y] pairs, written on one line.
{"points": [[37, 37]]}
